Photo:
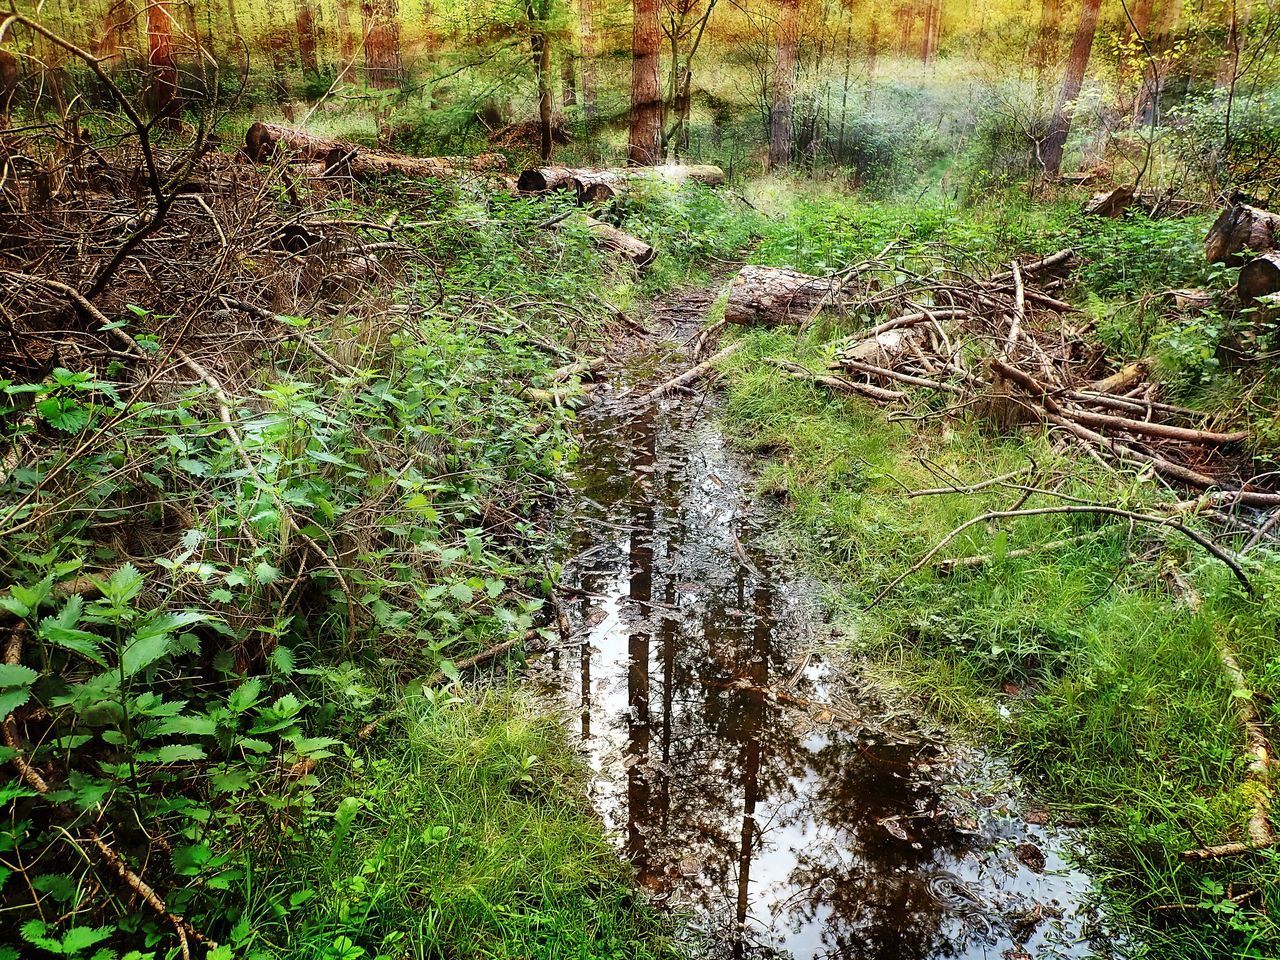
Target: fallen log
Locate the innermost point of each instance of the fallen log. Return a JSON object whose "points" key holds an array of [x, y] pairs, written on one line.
{"points": [[1109, 203], [1259, 277], [598, 186], [1238, 228], [355, 163], [773, 296], [264, 142], [1190, 300], [614, 240], [543, 179], [705, 173]]}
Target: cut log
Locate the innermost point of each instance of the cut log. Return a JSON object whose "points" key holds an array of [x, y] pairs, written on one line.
{"points": [[1259, 277], [704, 173], [264, 142], [1109, 203], [1238, 228], [614, 240], [598, 186], [884, 349], [542, 179], [355, 163], [773, 296], [1127, 377]]}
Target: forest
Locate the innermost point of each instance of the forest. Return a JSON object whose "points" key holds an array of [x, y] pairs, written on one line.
{"points": [[753, 479]]}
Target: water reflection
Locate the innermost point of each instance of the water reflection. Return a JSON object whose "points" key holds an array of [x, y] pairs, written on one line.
{"points": [[790, 835]]}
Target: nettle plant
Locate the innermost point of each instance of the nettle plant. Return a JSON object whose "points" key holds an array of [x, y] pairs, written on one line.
{"points": [[202, 620]]}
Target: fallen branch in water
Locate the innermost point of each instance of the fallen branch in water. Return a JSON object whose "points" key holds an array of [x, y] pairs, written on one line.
{"points": [[691, 375]]}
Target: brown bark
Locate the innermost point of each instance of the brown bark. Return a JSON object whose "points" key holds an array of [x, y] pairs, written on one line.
{"points": [[586, 27], [645, 138], [346, 38], [162, 79], [8, 83], [1260, 277], [610, 238], [772, 296], [1046, 44], [1238, 228], [1109, 203], [1072, 80], [540, 49], [383, 65], [784, 84], [542, 179], [115, 25], [305, 20], [264, 141], [344, 161]]}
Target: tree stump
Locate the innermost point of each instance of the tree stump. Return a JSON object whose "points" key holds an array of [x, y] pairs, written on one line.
{"points": [[1241, 227], [1109, 203], [1259, 277], [772, 296]]}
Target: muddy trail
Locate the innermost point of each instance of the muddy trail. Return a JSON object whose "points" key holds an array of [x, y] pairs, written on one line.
{"points": [[753, 792]]}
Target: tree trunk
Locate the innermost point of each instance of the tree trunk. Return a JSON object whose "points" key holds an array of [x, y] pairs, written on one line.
{"points": [[1238, 228], [115, 26], [568, 80], [784, 84], [8, 84], [645, 139], [540, 49], [773, 296], [383, 65], [1047, 42], [305, 20], [1073, 79], [586, 26], [1137, 44], [346, 39], [345, 161], [162, 80]]}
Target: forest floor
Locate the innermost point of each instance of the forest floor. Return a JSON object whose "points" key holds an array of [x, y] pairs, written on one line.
{"points": [[323, 791]]}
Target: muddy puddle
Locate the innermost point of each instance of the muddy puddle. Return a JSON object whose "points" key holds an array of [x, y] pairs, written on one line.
{"points": [[754, 793]]}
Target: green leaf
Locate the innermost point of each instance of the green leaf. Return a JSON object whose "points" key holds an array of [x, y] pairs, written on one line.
{"points": [[265, 573], [142, 651], [179, 752], [195, 726], [79, 641], [124, 586], [11, 700], [82, 938], [16, 675], [462, 592], [244, 696]]}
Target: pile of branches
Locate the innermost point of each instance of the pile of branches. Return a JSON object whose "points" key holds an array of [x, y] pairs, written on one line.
{"points": [[1007, 346]]}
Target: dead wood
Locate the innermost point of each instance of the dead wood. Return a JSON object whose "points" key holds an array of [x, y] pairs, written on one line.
{"points": [[1260, 277], [775, 296], [692, 375], [607, 237], [1238, 228], [1109, 203], [835, 383]]}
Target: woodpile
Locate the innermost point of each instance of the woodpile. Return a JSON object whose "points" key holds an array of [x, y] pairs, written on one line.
{"points": [[1007, 347]]}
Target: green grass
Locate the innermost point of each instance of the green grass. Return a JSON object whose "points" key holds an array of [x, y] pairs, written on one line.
{"points": [[1079, 662], [472, 837]]}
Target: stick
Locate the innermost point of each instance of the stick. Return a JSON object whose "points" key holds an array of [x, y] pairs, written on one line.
{"points": [[835, 383], [1186, 531], [692, 374]]}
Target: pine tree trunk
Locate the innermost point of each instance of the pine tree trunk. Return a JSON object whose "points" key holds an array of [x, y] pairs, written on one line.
{"points": [[586, 26], [540, 49], [346, 40], [305, 20], [1072, 80], [645, 140], [383, 65], [1050, 29], [162, 80], [784, 84]]}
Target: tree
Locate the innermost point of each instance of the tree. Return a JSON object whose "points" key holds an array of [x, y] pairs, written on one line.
{"points": [[685, 24], [537, 13], [645, 140], [586, 29], [305, 20], [784, 84], [383, 66], [162, 74], [1072, 80]]}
